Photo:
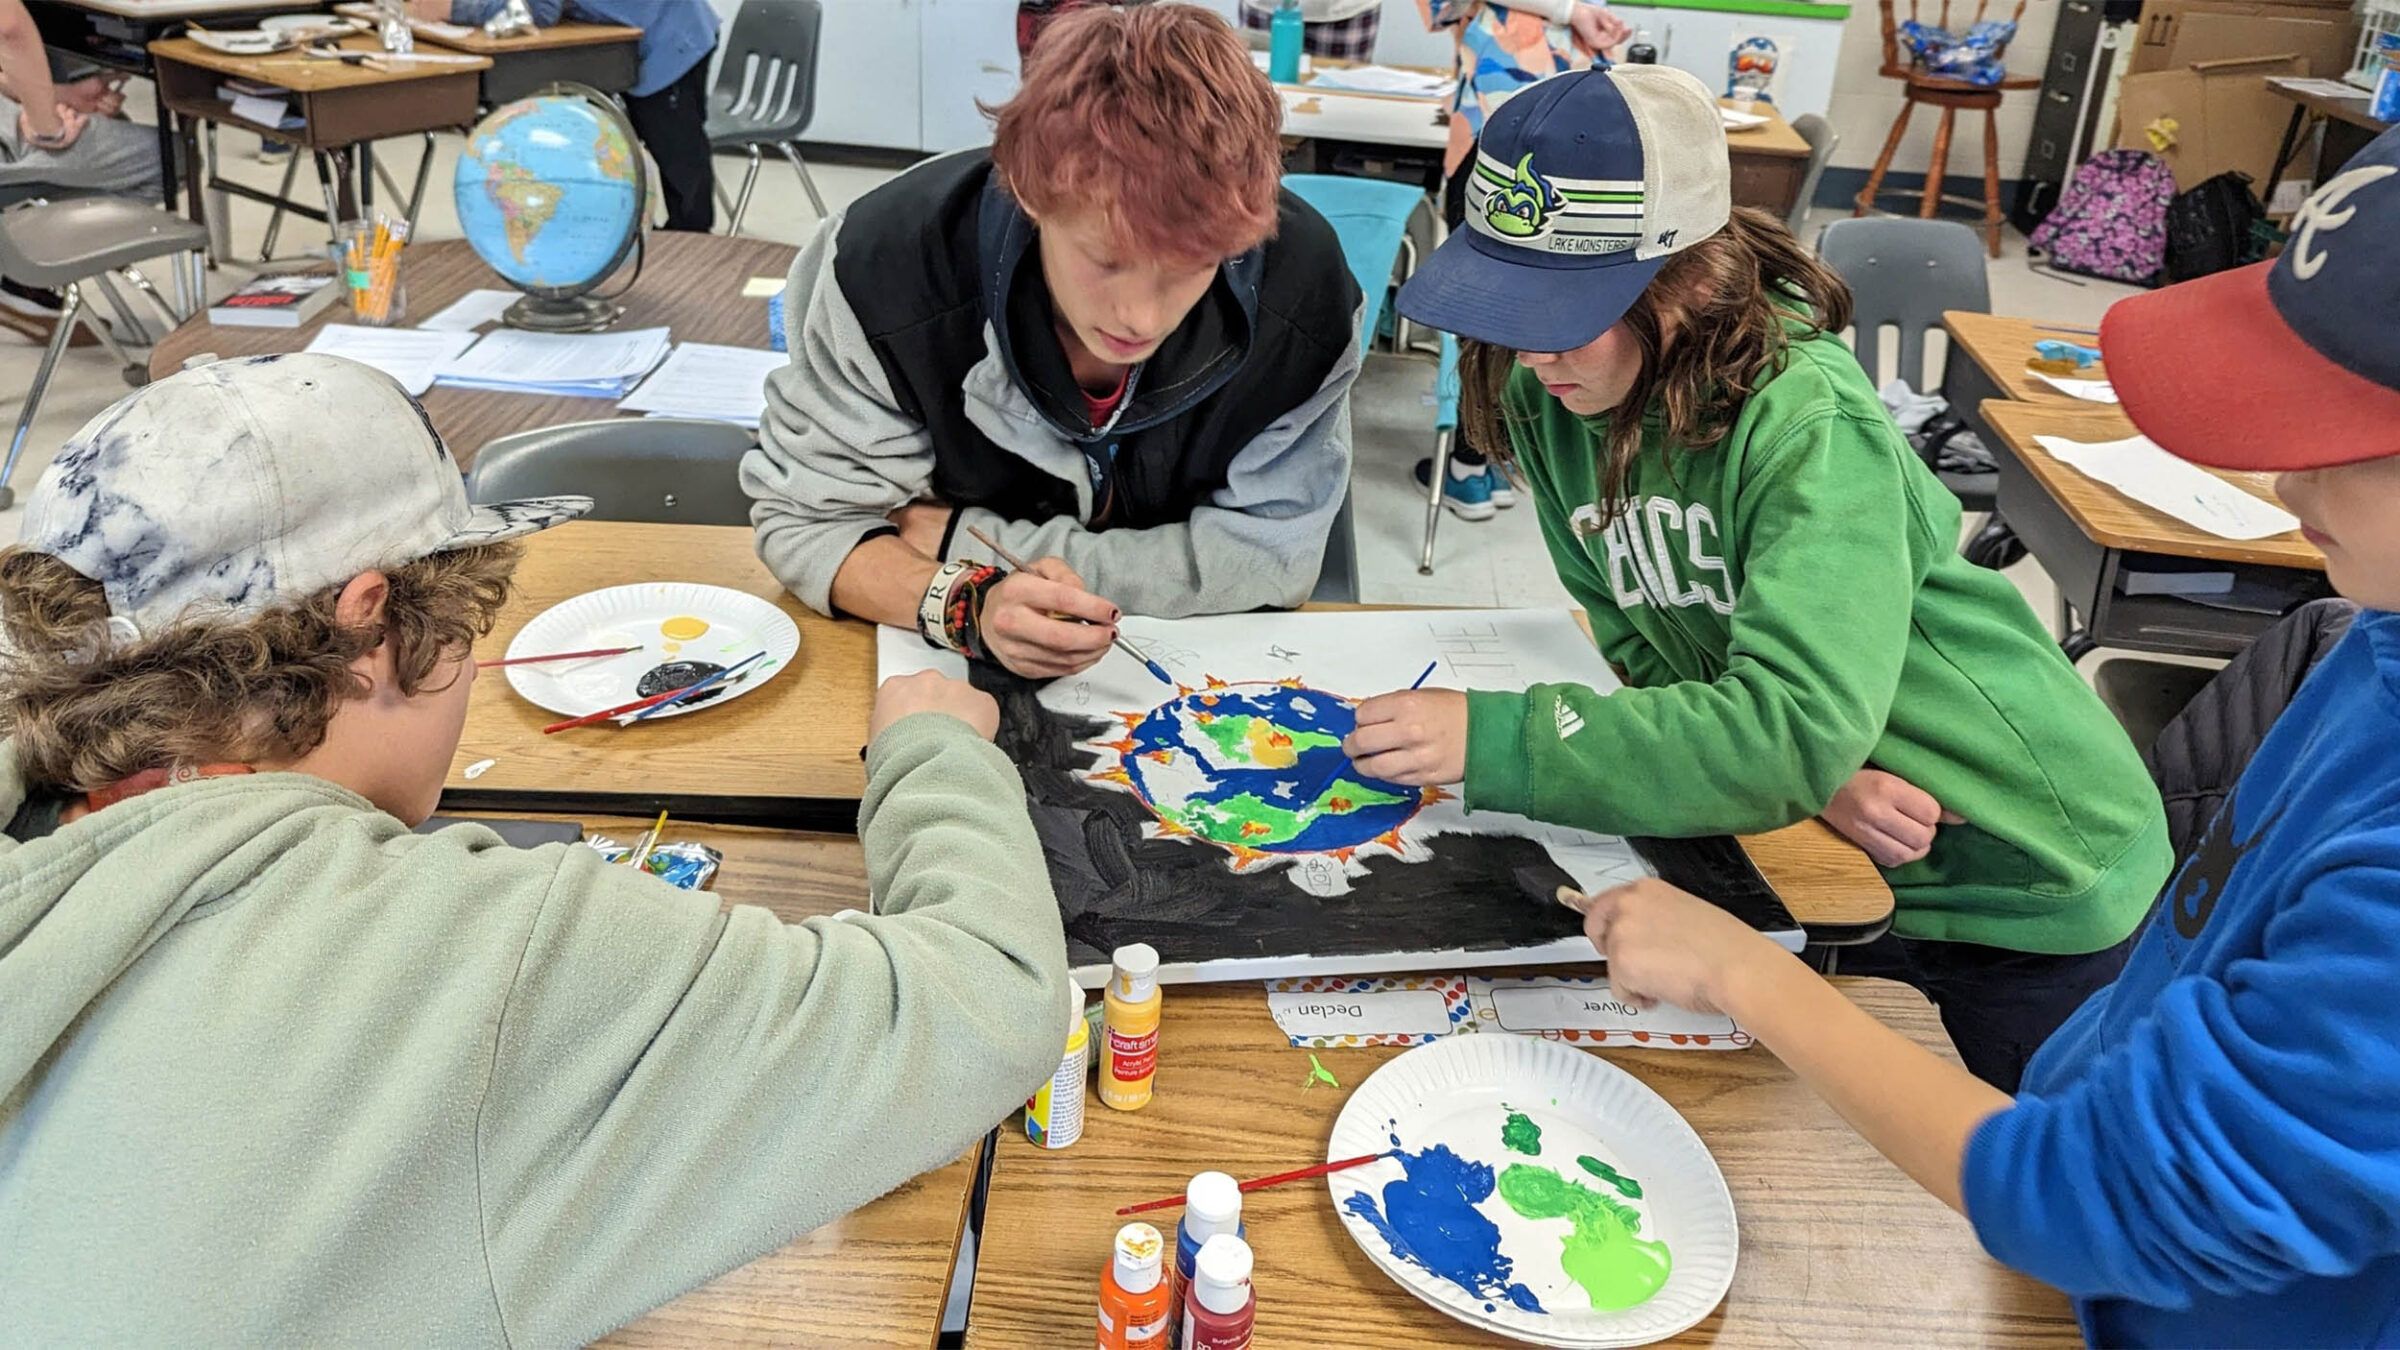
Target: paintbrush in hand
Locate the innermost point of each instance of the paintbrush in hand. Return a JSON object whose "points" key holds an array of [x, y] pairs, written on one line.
{"points": [[1120, 643], [1300, 1174], [1309, 798]]}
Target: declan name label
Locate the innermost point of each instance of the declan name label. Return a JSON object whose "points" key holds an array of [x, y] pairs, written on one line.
{"points": [[1326, 1012]]}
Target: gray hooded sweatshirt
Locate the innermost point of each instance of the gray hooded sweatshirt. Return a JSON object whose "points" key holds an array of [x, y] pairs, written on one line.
{"points": [[274, 1070]]}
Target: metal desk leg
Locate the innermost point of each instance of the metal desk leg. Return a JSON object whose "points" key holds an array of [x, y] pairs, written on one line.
{"points": [[2283, 152], [366, 179], [220, 206]]}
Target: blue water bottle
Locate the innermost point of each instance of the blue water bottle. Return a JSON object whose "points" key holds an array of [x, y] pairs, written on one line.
{"points": [[1284, 37]]}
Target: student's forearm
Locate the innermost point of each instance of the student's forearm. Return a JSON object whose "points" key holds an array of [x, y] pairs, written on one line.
{"points": [[1915, 1107], [26, 67], [883, 580]]}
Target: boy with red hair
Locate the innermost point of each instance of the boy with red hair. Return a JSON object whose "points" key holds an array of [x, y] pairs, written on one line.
{"points": [[1111, 343]]}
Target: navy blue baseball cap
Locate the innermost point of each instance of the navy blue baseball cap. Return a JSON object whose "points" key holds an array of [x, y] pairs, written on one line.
{"points": [[1583, 186], [2293, 364]]}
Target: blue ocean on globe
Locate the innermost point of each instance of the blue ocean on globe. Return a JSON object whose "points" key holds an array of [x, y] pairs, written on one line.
{"points": [[547, 191], [1260, 766]]}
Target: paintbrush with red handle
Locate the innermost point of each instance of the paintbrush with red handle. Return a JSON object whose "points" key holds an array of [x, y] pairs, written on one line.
{"points": [[1302, 1174], [555, 656]]}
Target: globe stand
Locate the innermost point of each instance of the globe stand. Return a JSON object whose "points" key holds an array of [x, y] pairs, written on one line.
{"points": [[576, 314]]}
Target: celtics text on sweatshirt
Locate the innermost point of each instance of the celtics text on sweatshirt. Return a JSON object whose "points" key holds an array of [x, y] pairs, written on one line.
{"points": [[1789, 606]]}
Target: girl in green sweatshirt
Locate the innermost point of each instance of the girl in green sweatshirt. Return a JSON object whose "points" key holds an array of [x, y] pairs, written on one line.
{"points": [[1772, 569]]}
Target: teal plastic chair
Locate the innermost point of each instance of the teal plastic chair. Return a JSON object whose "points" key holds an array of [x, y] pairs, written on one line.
{"points": [[1370, 217]]}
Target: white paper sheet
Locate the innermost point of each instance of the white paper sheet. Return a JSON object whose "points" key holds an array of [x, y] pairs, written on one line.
{"points": [[472, 311], [1384, 80], [762, 288], [2141, 470], [704, 379], [579, 365], [266, 112], [2321, 88], [409, 355], [2094, 391]]}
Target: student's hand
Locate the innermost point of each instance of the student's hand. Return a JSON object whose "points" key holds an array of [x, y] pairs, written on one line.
{"points": [[1414, 737], [930, 691], [922, 525], [70, 126], [94, 95], [1029, 626], [1888, 816], [1665, 945], [1598, 29]]}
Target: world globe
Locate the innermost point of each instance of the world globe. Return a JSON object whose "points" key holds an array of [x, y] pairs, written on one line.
{"points": [[550, 193], [1260, 766]]}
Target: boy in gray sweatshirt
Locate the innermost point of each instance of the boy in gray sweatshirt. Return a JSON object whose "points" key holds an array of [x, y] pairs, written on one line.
{"points": [[275, 1070]]}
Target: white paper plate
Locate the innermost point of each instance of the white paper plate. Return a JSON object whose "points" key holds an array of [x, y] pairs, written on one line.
{"points": [[1742, 121], [736, 624], [1457, 1093]]}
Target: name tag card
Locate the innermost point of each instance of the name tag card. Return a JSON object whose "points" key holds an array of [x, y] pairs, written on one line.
{"points": [[1586, 1011], [1333, 1012]]}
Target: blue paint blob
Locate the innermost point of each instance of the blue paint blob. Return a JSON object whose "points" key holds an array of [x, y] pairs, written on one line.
{"points": [[1429, 1219]]}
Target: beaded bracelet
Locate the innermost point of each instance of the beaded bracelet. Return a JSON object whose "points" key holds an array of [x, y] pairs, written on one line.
{"points": [[951, 613]]}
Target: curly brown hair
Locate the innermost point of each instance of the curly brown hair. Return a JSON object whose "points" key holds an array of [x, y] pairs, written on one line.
{"points": [[1734, 299], [85, 714]]}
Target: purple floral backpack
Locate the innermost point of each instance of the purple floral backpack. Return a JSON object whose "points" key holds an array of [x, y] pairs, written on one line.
{"points": [[2111, 222]]}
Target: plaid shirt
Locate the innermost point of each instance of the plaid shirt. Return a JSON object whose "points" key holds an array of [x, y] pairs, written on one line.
{"points": [[1500, 51]]}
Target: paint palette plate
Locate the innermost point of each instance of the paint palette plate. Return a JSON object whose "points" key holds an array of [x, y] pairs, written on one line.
{"points": [[1539, 1192], [671, 621]]}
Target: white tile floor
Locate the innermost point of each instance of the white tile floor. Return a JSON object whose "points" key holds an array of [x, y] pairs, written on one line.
{"points": [[1495, 562]]}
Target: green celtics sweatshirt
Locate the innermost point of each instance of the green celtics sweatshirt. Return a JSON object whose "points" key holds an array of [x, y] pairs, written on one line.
{"points": [[1789, 606], [276, 1071]]}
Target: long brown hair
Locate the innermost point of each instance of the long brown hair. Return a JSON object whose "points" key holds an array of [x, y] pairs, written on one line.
{"points": [[1731, 298]]}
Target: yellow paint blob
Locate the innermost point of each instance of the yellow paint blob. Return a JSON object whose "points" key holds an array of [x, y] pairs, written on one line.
{"points": [[683, 628], [670, 648]]}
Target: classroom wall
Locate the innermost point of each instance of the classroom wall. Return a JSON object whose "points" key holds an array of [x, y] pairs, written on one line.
{"points": [[1864, 103]]}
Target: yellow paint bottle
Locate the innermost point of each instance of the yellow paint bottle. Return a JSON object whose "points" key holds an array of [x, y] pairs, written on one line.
{"points": [[1129, 1059]]}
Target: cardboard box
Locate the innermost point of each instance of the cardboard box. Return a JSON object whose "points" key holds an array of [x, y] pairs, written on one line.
{"points": [[2175, 33], [2226, 118]]}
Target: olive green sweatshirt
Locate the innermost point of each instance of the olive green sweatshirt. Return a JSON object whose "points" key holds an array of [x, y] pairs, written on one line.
{"points": [[275, 1071], [1788, 606]]}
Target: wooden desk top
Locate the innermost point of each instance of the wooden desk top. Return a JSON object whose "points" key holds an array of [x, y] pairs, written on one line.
{"points": [[880, 1273], [182, 9], [1838, 1247], [692, 283], [2114, 520], [2002, 345], [1772, 137], [571, 33], [2351, 109], [304, 74], [797, 737]]}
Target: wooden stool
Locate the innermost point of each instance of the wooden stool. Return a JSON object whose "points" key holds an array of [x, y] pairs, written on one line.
{"points": [[1950, 96]]}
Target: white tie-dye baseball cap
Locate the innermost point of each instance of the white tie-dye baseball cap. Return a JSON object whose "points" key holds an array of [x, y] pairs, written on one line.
{"points": [[228, 488]]}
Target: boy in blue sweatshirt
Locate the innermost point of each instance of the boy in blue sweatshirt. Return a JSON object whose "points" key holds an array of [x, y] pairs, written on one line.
{"points": [[2208, 1151]]}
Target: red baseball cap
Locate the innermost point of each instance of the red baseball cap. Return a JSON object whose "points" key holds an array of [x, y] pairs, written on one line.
{"points": [[2293, 364]]}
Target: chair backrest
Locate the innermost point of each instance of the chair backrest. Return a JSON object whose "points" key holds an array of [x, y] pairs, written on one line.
{"points": [[664, 470], [1904, 272], [768, 77], [1893, 64], [1370, 218], [1821, 138]]}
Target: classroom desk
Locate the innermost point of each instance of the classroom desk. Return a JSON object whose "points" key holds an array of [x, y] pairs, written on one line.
{"points": [[692, 283], [1770, 162], [1838, 1247], [344, 109], [602, 55], [2089, 537], [2348, 128], [788, 752], [1997, 348], [880, 1273]]}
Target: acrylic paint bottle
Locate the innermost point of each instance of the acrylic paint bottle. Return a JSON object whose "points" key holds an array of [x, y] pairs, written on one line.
{"points": [[1133, 1292], [1130, 1058], [1054, 1118], [1219, 1311], [1212, 1204]]}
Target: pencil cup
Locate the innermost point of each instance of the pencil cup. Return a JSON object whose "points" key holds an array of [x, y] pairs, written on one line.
{"points": [[371, 268]]}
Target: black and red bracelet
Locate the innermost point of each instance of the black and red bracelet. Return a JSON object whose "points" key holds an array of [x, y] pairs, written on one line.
{"points": [[951, 614]]}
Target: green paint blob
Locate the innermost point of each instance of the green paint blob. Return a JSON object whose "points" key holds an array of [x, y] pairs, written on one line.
{"points": [[1626, 1186], [1616, 1268], [1318, 1073], [1521, 1134]]}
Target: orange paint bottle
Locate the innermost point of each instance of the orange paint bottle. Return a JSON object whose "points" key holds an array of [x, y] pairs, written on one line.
{"points": [[1129, 1059], [1133, 1292]]}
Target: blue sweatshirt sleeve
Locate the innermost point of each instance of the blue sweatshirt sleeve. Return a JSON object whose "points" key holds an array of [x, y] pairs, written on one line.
{"points": [[2240, 1136], [476, 13]]}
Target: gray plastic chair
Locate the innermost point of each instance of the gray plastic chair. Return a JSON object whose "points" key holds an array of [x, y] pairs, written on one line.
{"points": [[61, 245], [766, 92], [661, 470], [1905, 273], [1821, 138], [1337, 576]]}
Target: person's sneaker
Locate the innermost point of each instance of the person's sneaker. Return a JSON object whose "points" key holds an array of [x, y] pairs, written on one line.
{"points": [[1504, 492], [34, 313], [1468, 498]]}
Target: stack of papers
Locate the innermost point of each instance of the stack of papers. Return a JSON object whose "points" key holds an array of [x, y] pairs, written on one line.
{"points": [[472, 310], [2096, 391], [702, 379], [2141, 470], [570, 365], [1384, 80], [409, 355]]}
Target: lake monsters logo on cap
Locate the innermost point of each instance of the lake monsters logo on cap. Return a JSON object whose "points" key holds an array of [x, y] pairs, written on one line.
{"points": [[1522, 208]]}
